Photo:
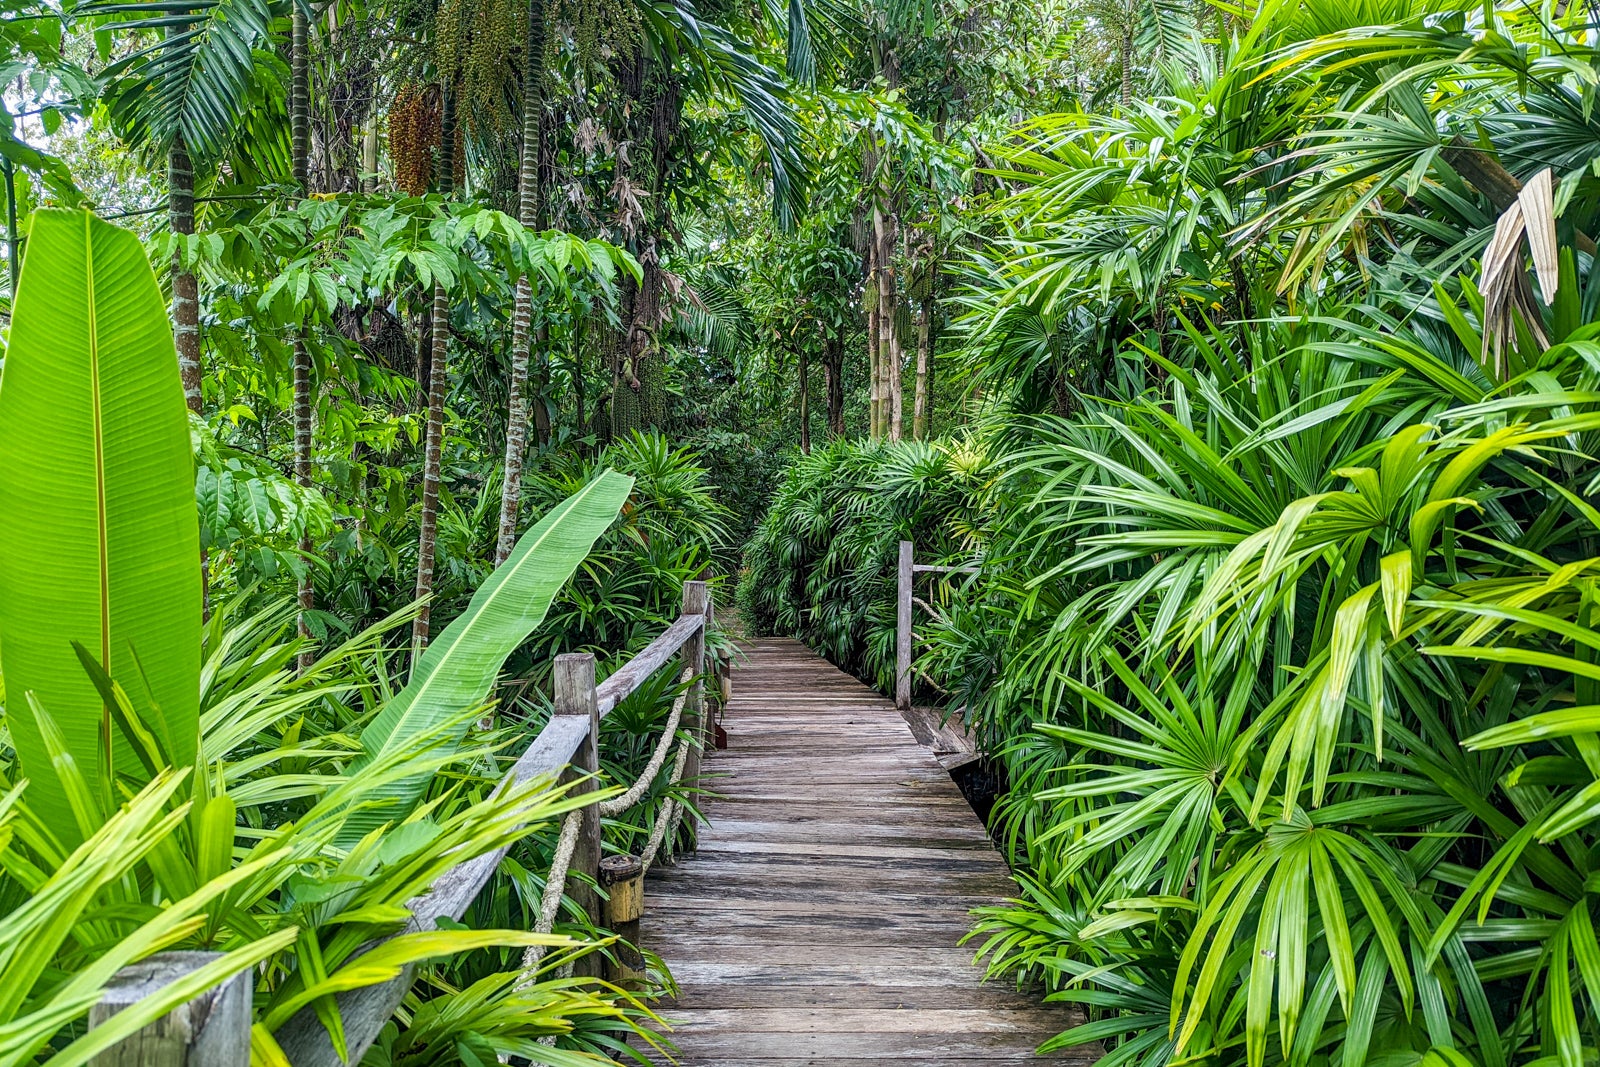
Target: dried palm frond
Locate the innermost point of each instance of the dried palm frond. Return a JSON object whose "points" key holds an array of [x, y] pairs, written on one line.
{"points": [[1506, 290]]}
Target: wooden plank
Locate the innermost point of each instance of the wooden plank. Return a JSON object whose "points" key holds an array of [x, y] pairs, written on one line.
{"points": [[902, 628], [575, 698], [212, 1030], [816, 1046], [967, 1022], [1005, 1060], [821, 920], [650, 659], [692, 658]]}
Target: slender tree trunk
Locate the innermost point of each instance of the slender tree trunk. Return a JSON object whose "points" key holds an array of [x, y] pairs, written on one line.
{"points": [[833, 384], [427, 536], [540, 373], [579, 386], [1125, 53], [424, 372], [8, 171], [919, 412], [522, 308], [874, 341], [805, 403], [369, 154], [896, 386], [185, 289], [889, 390], [185, 309], [300, 156]]}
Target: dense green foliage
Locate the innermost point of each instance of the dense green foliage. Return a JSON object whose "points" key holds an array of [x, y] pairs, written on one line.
{"points": [[1284, 630], [1249, 351], [822, 563]]}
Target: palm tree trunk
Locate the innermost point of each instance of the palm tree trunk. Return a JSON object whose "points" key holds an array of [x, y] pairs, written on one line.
{"points": [[185, 288], [428, 532], [522, 309], [1125, 53], [805, 403], [185, 309], [300, 156], [919, 411]]}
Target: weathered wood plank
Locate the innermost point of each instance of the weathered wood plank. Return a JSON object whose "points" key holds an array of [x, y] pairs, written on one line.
{"points": [[212, 1030], [820, 922], [650, 659], [966, 1022], [819, 1046]]}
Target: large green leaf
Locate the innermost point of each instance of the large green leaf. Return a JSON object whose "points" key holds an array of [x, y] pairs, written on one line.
{"points": [[99, 541], [457, 672]]}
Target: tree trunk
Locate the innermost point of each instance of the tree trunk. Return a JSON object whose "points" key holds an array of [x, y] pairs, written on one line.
{"points": [[300, 155], [889, 391], [428, 533], [185, 289], [185, 308], [522, 313], [833, 383], [805, 403], [428, 527], [1125, 52], [541, 382], [369, 154], [919, 412], [874, 340], [637, 394], [424, 350]]}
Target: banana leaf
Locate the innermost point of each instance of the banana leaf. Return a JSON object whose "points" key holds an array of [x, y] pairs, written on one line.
{"points": [[457, 671], [99, 540]]}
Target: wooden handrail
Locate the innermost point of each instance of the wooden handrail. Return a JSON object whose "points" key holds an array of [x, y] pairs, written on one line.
{"points": [[552, 753], [907, 571], [631, 675]]}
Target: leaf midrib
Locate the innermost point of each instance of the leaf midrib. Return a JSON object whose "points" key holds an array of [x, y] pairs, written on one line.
{"points": [[569, 505], [98, 432]]}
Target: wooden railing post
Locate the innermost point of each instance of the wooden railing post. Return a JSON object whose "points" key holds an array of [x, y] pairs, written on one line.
{"points": [[574, 695], [902, 639], [696, 601], [212, 1030], [623, 879]]}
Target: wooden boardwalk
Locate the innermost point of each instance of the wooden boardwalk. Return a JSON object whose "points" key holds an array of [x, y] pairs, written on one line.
{"points": [[819, 921]]}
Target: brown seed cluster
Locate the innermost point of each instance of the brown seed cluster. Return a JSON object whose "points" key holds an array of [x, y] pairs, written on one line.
{"points": [[414, 136]]}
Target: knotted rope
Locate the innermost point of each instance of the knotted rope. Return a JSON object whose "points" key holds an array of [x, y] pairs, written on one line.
{"points": [[666, 827]]}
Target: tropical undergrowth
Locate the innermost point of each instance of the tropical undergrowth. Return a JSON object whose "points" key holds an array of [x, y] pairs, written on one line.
{"points": [[822, 562]]}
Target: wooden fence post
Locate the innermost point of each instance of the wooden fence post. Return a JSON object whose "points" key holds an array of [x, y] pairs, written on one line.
{"points": [[902, 639], [696, 601], [623, 879], [212, 1030], [574, 695]]}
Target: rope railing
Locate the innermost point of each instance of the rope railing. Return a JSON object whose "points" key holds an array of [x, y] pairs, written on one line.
{"points": [[566, 749], [666, 824]]}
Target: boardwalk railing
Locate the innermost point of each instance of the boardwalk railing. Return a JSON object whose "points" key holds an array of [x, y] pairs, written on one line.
{"points": [[908, 571], [567, 749]]}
